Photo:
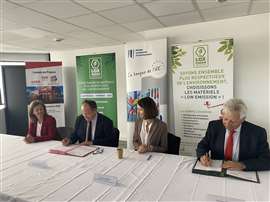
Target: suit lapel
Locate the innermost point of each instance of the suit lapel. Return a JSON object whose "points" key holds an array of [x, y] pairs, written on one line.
{"points": [[242, 144], [152, 129], [222, 139], [98, 125]]}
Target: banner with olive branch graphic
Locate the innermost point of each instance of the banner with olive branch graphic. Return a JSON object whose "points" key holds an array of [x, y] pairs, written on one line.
{"points": [[202, 81]]}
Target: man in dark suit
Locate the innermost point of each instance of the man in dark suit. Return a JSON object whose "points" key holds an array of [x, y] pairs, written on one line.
{"points": [[91, 127], [241, 144]]}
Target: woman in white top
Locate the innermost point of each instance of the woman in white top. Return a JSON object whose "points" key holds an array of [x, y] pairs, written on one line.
{"points": [[150, 134]]}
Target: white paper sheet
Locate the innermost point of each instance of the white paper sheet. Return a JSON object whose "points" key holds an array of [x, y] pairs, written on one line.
{"points": [[216, 165]]}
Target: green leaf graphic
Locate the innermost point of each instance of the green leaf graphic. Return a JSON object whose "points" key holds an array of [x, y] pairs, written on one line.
{"points": [[177, 53], [227, 48]]}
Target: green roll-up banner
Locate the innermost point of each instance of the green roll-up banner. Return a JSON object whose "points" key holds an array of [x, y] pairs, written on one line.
{"points": [[96, 80]]}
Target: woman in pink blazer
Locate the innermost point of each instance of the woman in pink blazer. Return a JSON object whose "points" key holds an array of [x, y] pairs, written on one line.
{"points": [[42, 127]]}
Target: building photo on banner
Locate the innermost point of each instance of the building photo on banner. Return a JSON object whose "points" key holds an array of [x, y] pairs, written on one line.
{"points": [[202, 81], [44, 81]]}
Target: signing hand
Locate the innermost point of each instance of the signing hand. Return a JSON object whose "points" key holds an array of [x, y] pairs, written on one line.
{"points": [[142, 148], [233, 165], [205, 160], [29, 139], [65, 141], [86, 143]]}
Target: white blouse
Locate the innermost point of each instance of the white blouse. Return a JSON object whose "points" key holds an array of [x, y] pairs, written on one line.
{"points": [[144, 131], [39, 126]]}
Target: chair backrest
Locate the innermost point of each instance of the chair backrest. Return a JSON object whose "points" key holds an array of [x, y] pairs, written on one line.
{"points": [[173, 144], [63, 132], [116, 134]]}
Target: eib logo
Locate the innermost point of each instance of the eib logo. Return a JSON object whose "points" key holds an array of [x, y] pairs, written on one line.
{"points": [[95, 68], [200, 56]]}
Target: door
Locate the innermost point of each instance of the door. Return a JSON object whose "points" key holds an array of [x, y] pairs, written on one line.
{"points": [[15, 99]]}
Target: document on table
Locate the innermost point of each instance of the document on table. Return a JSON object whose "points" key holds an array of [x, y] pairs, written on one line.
{"points": [[73, 150], [244, 175], [216, 165]]}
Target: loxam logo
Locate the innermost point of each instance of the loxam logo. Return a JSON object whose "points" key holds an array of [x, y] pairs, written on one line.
{"points": [[200, 56], [95, 68], [131, 53]]}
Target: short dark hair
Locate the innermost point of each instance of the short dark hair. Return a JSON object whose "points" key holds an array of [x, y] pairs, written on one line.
{"points": [[149, 106], [91, 103], [33, 104]]}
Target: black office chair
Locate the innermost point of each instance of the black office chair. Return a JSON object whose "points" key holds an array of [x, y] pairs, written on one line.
{"points": [[115, 139], [173, 144], [62, 132]]}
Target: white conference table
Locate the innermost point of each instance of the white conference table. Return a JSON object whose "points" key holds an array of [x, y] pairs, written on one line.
{"points": [[30, 173]]}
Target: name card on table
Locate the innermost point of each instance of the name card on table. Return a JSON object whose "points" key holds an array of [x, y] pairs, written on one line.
{"points": [[39, 164], [105, 179]]}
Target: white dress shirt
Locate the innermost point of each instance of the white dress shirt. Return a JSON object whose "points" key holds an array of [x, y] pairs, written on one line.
{"points": [[93, 125]]}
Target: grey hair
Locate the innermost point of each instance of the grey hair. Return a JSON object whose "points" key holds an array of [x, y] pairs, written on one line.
{"points": [[236, 105]]}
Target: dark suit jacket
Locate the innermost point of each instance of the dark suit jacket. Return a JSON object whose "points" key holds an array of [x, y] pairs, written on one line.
{"points": [[253, 145], [48, 129], [103, 133], [157, 137]]}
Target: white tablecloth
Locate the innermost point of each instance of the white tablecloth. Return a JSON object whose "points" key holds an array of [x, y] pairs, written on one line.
{"points": [[30, 173]]}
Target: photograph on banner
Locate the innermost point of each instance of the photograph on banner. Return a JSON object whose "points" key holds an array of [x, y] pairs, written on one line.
{"points": [[132, 102], [146, 76], [202, 81], [96, 80], [48, 94], [44, 81]]}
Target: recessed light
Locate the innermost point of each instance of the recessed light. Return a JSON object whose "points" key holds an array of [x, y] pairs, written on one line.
{"points": [[58, 39], [221, 1]]}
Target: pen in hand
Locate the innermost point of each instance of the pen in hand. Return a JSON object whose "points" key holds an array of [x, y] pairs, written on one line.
{"points": [[205, 160]]}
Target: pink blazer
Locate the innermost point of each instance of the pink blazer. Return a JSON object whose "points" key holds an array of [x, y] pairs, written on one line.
{"points": [[48, 129]]}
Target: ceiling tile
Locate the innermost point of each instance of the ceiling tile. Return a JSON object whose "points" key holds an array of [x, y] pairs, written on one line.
{"points": [[58, 9], [7, 6], [31, 32], [27, 17], [182, 19], [143, 1], [112, 30], [160, 8], [9, 25], [23, 1], [225, 12], [58, 27], [13, 48], [11, 37], [260, 6], [128, 37], [84, 34], [104, 4], [126, 14], [89, 36], [214, 3], [143, 25], [90, 21]]}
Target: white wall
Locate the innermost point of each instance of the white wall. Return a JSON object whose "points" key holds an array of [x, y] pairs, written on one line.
{"points": [[251, 67]]}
